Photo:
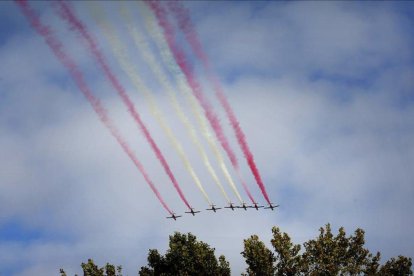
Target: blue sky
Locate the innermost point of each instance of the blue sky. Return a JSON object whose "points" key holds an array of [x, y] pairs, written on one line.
{"points": [[323, 90]]}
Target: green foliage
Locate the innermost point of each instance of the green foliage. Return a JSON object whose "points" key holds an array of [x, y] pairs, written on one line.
{"points": [[91, 269], [288, 262], [326, 255], [185, 256], [223, 266], [330, 255], [400, 266], [258, 258]]}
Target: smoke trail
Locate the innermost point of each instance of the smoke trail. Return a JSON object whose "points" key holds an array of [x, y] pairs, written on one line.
{"points": [[67, 14], [166, 54], [57, 48], [121, 55], [182, 62], [149, 58], [184, 22]]}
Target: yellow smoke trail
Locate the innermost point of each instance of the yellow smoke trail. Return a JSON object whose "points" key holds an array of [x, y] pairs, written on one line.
{"points": [[120, 53], [149, 58], [168, 58]]}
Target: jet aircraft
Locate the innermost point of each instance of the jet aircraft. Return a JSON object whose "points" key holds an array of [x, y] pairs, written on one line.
{"points": [[231, 206], [244, 206], [173, 216], [256, 206], [271, 206], [192, 212], [213, 208]]}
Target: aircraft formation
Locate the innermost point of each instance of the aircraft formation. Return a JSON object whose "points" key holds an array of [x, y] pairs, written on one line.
{"points": [[156, 29], [231, 206]]}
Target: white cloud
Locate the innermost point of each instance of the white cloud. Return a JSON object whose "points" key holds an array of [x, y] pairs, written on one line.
{"points": [[328, 150], [302, 38]]}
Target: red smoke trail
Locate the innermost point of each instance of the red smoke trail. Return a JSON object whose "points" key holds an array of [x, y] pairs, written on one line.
{"points": [[77, 76], [66, 13], [184, 21], [181, 60]]}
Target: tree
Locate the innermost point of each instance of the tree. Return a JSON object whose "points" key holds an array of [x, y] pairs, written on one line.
{"points": [[185, 256], [91, 269], [287, 260], [400, 266], [325, 255], [258, 257], [329, 255]]}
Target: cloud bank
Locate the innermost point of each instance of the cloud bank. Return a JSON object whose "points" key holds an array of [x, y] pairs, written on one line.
{"points": [[323, 91]]}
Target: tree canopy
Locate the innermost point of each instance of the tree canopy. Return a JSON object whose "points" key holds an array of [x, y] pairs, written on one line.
{"points": [[91, 269], [185, 256], [327, 254]]}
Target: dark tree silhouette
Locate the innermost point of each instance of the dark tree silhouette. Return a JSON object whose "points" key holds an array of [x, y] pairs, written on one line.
{"points": [[91, 269], [325, 255], [185, 256]]}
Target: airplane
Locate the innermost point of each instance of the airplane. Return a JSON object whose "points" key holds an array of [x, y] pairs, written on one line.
{"points": [[256, 207], [244, 206], [213, 208], [173, 216], [231, 206], [271, 206], [192, 212]]}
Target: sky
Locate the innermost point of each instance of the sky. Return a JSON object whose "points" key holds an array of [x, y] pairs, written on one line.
{"points": [[324, 92]]}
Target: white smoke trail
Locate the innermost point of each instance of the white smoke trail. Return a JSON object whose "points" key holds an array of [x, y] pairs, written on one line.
{"points": [[156, 34], [120, 53]]}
